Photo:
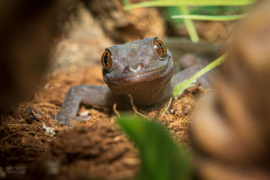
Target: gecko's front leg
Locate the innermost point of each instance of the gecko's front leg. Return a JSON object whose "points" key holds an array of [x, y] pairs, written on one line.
{"points": [[100, 96]]}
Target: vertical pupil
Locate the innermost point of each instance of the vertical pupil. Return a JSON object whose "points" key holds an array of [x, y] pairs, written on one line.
{"points": [[160, 44], [106, 59]]}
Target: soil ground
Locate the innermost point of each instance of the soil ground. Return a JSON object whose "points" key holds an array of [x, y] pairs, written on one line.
{"points": [[96, 148]]}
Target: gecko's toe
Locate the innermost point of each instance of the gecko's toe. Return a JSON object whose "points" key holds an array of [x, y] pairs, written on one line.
{"points": [[63, 123], [78, 119], [34, 114], [63, 120], [68, 124]]}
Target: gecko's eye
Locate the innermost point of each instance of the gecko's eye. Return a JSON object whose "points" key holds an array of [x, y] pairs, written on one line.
{"points": [[106, 59], [160, 48]]}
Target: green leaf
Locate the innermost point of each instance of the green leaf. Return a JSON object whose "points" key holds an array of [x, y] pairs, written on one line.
{"points": [[161, 157], [211, 18], [189, 25], [191, 3], [125, 2], [179, 88]]}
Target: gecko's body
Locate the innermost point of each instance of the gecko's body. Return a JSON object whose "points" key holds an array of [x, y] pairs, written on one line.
{"points": [[143, 69]]}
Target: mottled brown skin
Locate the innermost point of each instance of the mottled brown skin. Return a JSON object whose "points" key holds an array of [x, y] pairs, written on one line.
{"points": [[137, 70]]}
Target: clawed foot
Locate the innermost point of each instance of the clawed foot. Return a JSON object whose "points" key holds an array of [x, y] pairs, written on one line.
{"points": [[34, 114], [61, 119]]}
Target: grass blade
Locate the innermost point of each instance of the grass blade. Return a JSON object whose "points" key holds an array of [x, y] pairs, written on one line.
{"points": [[180, 88], [189, 25], [211, 18], [191, 3]]}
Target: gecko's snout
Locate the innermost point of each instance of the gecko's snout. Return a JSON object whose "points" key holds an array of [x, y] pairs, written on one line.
{"points": [[140, 66], [127, 69], [137, 68]]}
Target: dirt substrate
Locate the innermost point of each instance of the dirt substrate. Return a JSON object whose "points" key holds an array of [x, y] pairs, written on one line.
{"points": [[96, 148]]}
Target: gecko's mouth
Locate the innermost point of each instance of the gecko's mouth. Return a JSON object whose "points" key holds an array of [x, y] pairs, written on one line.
{"points": [[142, 76]]}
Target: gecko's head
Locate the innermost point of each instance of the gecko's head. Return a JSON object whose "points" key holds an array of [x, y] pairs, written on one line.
{"points": [[137, 63]]}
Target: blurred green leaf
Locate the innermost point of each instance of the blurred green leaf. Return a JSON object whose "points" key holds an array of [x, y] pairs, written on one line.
{"points": [[172, 11], [211, 18], [189, 25], [161, 157], [180, 88], [125, 2], [191, 3], [218, 10]]}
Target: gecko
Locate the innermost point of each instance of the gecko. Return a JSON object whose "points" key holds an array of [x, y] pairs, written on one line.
{"points": [[142, 69]]}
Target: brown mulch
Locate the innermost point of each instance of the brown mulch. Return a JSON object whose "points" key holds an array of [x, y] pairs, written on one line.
{"points": [[94, 148]]}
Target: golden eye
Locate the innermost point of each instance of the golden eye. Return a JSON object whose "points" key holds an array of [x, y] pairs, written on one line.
{"points": [[160, 48], [106, 59]]}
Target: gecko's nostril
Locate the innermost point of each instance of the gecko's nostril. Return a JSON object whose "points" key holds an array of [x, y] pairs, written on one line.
{"points": [[127, 69], [142, 65]]}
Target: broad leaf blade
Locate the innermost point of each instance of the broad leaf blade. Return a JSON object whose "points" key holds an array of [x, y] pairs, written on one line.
{"points": [[161, 157]]}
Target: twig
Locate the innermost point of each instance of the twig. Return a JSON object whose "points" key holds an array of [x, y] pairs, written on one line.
{"points": [[17, 124], [140, 113], [55, 114], [175, 114], [45, 104], [209, 90], [131, 101], [115, 110], [4, 139], [167, 107], [135, 108], [2, 120], [13, 120]]}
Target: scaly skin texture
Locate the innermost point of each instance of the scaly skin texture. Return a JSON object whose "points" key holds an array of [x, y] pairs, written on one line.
{"points": [[137, 70]]}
